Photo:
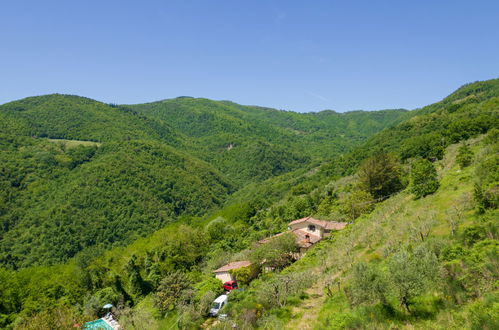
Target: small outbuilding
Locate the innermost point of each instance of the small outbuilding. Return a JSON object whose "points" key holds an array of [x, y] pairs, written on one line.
{"points": [[223, 273]]}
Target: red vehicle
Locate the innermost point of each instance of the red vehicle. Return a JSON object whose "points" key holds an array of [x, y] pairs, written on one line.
{"points": [[230, 285]]}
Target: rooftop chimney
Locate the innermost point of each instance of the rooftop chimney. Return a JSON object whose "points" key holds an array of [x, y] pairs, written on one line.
{"points": [[307, 238]]}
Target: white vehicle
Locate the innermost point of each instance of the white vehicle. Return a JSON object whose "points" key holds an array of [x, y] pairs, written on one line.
{"points": [[218, 304]]}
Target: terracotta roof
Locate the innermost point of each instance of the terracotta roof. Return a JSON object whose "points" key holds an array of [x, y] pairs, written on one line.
{"points": [[267, 239], [233, 265], [301, 240], [329, 225], [333, 225]]}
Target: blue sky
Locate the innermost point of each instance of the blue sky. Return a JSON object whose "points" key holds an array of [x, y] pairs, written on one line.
{"points": [[294, 55]]}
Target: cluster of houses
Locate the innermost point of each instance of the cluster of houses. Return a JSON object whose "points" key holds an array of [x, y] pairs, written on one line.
{"points": [[307, 231]]}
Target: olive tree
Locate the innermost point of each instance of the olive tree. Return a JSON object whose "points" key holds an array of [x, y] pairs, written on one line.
{"points": [[369, 284], [277, 253], [276, 291], [412, 273]]}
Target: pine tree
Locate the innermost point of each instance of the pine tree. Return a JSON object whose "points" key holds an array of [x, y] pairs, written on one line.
{"points": [[424, 178], [464, 156], [380, 175]]}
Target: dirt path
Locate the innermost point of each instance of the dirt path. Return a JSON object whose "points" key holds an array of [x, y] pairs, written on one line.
{"points": [[306, 314]]}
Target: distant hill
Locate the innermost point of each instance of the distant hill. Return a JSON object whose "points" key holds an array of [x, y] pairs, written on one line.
{"points": [[80, 118], [228, 134]]}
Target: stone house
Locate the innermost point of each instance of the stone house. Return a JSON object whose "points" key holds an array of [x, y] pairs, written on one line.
{"points": [[309, 231]]}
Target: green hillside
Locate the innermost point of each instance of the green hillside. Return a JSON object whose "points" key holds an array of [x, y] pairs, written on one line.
{"points": [[437, 252], [141, 219], [327, 124], [237, 139], [79, 174], [248, 144], [471, 110], [57, 202], [79, 118]]}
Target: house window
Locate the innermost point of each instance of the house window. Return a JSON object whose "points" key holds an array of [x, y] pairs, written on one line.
{"points": [[311, 227]]}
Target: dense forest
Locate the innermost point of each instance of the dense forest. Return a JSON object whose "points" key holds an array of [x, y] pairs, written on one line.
{"points": [[78, 174], [136, 205]]}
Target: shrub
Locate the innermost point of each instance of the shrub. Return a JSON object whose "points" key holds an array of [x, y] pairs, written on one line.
{"points": [[473, 234], [208, 285], [484, 313], [244, 275]]}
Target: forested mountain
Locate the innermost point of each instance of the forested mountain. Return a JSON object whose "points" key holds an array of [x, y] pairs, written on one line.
{"points": [[65, 200], [78, 173], [136, 205], [247, 144], [78, 118], [239, 139], [469, 111]]}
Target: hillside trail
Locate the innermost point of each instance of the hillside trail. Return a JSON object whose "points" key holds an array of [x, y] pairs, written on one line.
{"points": [[306, 314]]}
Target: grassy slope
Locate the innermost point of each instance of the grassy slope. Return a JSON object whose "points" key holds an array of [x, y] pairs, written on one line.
{"points": [[69, 144], [393, 223]]}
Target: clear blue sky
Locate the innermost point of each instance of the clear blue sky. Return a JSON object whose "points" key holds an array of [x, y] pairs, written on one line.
{"points": [[294, 55]]}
